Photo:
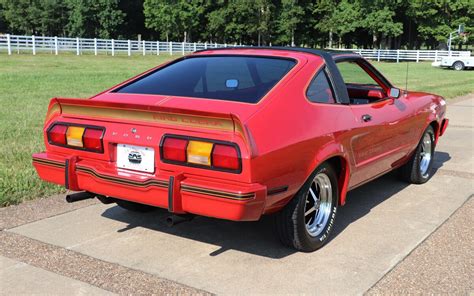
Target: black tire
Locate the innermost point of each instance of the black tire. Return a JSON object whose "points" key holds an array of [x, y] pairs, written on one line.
{"points": [[412, 171], [458, 66], [290, 225], [134, 207]]}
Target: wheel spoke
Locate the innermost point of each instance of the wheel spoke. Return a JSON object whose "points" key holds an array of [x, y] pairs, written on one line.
{"points": [[312, 209], [315, 198]]}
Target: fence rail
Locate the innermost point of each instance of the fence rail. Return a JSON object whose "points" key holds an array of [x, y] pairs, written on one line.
{"points": [[407, 55], [55, 45]]}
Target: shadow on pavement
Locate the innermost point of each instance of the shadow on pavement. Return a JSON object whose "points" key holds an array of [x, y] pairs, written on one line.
{"points": [[257, 237]]}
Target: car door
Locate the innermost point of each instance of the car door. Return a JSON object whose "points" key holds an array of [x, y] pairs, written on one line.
{"points": [[381, 135]]}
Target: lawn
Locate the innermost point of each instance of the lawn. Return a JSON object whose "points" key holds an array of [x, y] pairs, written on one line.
{"points": [[28, 82]]}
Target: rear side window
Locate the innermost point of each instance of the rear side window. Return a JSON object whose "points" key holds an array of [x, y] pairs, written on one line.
{"points": [[232, 78], [319, 90]]}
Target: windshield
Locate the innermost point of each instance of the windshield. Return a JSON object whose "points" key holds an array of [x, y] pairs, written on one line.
{"points": [[232, 78]]}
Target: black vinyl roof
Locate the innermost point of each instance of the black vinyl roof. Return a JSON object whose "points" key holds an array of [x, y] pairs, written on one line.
{"points": [[319, 52]]}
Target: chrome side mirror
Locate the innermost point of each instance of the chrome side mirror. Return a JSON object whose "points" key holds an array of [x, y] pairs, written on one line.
{"points": [[394, 92]]}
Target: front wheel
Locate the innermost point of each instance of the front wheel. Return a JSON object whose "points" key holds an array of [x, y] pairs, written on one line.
{"points": [[418, 168], [307, 220]]}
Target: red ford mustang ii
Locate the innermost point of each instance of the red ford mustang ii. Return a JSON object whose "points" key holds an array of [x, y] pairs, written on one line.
{"points": [[238, 133]]}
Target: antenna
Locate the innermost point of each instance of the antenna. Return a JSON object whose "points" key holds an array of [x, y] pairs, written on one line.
{"points": [[406, 80]]}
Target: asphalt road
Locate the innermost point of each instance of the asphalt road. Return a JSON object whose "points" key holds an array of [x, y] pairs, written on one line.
{"points": [[391, 237]]}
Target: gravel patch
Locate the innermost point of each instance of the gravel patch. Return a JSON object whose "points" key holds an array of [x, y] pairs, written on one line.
{"points": [[105, 275], [38, 209], [442, 264]]}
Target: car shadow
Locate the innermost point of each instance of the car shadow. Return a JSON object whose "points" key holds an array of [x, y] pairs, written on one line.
{"points": [[257, 237]]}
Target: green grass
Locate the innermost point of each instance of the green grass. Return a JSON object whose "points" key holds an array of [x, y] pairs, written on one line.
{"points": [[28, 82]]}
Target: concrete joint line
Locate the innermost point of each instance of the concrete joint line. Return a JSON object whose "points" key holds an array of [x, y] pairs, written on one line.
{"points": [[105, 275]]}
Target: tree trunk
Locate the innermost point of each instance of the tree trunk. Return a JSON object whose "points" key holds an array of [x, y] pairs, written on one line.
{"points": [[330, 38], [374, 41]]}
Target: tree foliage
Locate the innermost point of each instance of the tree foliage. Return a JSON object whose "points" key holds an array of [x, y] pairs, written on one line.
{"points": [[320, 23]]}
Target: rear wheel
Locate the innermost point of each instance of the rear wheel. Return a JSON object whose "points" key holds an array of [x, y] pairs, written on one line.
{"points": [[418, 169], [134, 207], [458, 66], [307, 220]]}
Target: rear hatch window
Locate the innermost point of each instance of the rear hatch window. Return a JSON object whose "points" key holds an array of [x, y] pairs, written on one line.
{"points": [[231, 78]]}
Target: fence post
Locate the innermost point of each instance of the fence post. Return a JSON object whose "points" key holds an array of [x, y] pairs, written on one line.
{"points": [[205, 45], [417, 56], [33, 43], [171, 48], [113, 47], [9, 44], [398, 55], [129, 47], [157, 47], [56, 49], [378, 55], [194, 46], [95, 46], [77, 46], [182, 48], [143, 47], [436, 55], [225, 45]]}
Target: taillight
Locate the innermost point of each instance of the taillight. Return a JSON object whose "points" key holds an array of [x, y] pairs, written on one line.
{"points": [[57, 134], [174, 149], [201, 153], [226, 157], [74, 136], [78, 137], [92, 139]]}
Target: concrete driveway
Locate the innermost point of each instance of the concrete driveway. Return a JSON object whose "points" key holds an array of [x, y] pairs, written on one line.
{"points": [[382, 223]]}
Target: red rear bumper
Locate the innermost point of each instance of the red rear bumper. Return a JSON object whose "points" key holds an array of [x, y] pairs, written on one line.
{"points": [[177, 192]]}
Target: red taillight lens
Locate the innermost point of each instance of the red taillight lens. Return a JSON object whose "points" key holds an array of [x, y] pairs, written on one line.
{"points": [[174, 149], [92, 139], [57, 134], [225, 157]]}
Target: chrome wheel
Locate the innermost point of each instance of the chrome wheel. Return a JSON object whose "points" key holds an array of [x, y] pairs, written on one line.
{"points": [[425, 154], [318, 204]]}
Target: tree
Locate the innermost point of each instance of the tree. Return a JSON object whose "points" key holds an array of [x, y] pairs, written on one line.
{"points": [[434, 20], [177, 19], [53, 17], [94, 18], [22, 16], [379, 20], [290, 16]]}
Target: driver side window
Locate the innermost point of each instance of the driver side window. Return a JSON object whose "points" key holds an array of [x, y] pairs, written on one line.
{"points": [[361, 87]]}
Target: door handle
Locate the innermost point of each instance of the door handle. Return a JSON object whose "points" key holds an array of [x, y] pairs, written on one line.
{"points": [[366, 118]]}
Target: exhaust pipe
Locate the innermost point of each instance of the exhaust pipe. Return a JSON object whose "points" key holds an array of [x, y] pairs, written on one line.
{"points": [[79, 196], [176, 219]]}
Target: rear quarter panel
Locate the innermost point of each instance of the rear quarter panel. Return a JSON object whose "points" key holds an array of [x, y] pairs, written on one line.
{"points": [[292, 136]]}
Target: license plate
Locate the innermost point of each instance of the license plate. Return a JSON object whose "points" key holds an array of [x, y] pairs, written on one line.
{"points": [[136, 158]]}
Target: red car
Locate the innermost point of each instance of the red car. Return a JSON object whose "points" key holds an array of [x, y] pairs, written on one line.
{"points": [[237, 133]]}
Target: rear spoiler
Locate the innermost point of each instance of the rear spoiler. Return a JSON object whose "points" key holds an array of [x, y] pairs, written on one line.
{"points": [[144, 114]]}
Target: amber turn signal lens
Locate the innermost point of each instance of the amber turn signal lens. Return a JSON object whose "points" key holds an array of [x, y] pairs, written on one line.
{"points": [[74, 136], [199, 152]]}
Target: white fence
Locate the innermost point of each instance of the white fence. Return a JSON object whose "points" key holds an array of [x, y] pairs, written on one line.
{"points": [[55, 45], [407, 55]]}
